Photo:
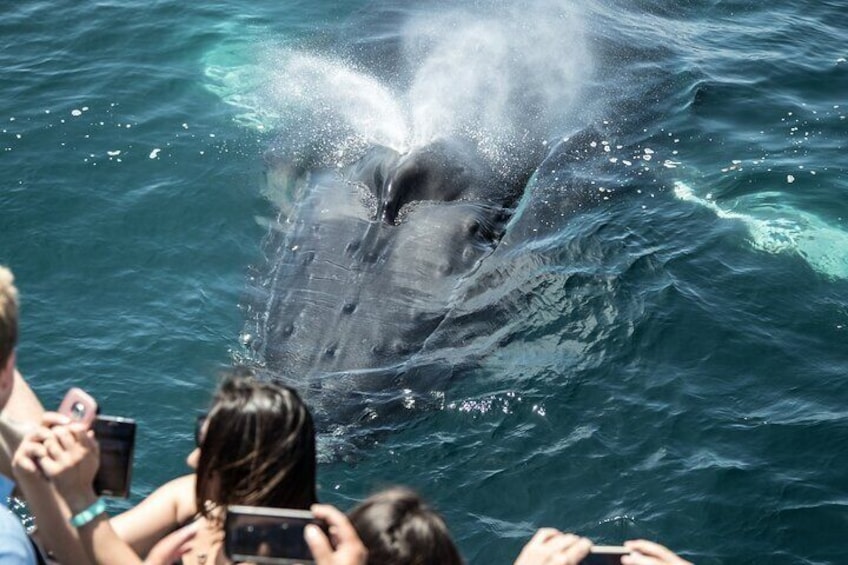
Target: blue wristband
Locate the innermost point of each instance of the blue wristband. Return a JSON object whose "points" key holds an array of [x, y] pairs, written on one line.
{"points": [[89, 514]]}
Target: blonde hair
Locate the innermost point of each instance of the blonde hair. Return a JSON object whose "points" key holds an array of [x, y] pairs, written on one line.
{"points": [[8, 315]]}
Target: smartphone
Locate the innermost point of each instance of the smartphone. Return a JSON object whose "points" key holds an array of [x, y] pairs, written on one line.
{"points": [[79, 406], [605, 555], [116, 437], [270, 536]]}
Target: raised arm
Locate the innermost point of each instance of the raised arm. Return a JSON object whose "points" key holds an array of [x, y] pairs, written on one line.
{"points": [[21, 414], [169, 506], [68, 457], [51, 513]]}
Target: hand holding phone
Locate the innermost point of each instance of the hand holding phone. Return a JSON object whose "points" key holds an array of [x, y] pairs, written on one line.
{"points": [[269, 536], [605, 555], [644, 551], [79, 406], [345, 546], [549, 544]]}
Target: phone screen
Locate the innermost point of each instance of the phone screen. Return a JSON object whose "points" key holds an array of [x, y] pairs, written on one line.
{"points": [[605, 555], [116, 437], [268, 535]]}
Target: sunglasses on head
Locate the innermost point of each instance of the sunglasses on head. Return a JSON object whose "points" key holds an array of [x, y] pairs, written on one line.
{"points": [[198, 428]]}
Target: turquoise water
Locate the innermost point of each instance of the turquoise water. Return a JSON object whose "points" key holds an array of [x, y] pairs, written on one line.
{"points": [[676, 367]]}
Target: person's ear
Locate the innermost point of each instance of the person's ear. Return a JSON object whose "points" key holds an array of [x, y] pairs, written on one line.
{"points": [[7, 379], [9, 367]]}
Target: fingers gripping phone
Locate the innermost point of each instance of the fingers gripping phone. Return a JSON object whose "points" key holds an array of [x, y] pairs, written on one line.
{"points": [[269, 536], [79, 406], [116, 437], [605, 555]]}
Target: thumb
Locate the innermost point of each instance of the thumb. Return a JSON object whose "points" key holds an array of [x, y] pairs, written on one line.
{"points": [[319, 545]]}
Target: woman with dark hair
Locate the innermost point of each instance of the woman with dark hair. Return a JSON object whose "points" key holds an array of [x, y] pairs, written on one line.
{"points": [[256, 447], [399, 528]]}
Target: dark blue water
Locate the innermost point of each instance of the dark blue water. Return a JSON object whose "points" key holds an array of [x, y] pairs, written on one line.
{"points": [[675, 367]]}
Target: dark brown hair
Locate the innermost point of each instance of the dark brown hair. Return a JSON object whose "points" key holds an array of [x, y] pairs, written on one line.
{"points": [[258, 449], [399, 528], [8, 315]]}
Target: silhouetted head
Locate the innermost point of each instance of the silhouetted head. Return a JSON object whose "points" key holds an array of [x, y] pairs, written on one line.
{"points": [[399, 528], [257, 447]]}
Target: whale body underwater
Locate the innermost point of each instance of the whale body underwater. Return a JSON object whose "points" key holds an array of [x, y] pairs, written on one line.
{"points": [[381, 271]]}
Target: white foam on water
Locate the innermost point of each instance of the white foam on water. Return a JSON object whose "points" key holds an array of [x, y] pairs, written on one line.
{"points": [[776, 227]]}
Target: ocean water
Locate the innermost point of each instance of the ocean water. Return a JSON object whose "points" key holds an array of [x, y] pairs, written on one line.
{"points": [[676, 365]]}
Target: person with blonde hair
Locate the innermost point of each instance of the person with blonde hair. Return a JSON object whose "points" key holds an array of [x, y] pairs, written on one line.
{"points": [[20, 409]]}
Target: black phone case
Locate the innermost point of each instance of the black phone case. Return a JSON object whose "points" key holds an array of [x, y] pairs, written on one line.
{"points": [[116, 437]]}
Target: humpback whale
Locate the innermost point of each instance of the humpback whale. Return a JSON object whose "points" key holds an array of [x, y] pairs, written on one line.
{"points": [[406, 166], [371, 269]]}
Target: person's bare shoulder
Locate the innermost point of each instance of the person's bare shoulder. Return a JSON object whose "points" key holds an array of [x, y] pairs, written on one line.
{"points": [[182, 490], [23, 405]]}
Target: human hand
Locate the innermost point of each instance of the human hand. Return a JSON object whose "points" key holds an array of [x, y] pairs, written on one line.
{"points": [[62, 452], [173, 546], [349, 548], [552, 547], [71, 459], [26, 465], [649, 553]]}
